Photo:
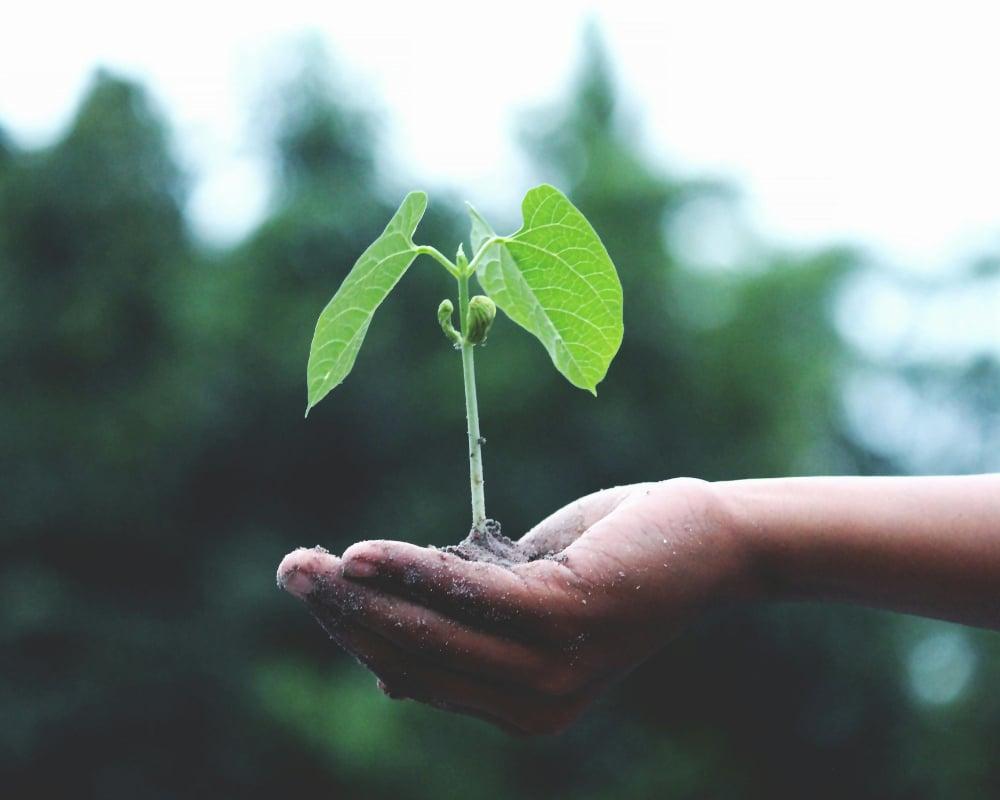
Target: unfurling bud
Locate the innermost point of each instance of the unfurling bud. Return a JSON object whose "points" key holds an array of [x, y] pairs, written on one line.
{"points": [[444, 320], [482, 311]]}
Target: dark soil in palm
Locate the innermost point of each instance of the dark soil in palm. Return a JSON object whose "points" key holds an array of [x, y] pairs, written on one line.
{"points": [[492, 547]]}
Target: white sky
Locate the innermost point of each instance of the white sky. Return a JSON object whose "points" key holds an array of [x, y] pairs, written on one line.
{"points": [[872, 122]]}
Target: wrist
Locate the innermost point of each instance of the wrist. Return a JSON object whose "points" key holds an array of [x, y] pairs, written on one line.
{"points": [[725, 559], [740, 505]]}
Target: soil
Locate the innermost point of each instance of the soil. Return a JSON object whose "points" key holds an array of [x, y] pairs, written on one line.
{"points": [[490, 546]]}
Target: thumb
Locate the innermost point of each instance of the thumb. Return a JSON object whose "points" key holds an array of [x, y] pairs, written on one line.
{"points": [[560, 529]]}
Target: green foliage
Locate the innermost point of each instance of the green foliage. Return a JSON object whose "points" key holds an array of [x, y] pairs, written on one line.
{"points": [[344, 322], [146, 651], [445, 310], [555, 279], [482, 312]]}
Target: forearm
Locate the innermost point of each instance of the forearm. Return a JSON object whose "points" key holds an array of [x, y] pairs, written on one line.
{"points": [[923, 545]]}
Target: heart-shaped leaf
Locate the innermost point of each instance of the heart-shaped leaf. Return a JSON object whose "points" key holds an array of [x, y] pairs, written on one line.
{"points": [[555, 279], [342, 326]]}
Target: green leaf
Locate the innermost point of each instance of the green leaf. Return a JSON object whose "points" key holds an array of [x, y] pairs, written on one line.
{"points": [[555, 279], [481, 230], [342, 326]]}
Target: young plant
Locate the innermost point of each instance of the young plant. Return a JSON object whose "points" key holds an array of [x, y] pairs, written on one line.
{"points": [[553, 277]]}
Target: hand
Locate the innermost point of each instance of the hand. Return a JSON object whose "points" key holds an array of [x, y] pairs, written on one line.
{"points": [[530, 647]]}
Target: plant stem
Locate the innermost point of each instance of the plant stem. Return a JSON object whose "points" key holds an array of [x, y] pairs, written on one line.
{"points": [[437, 255], [471, 409], [482, 251]]}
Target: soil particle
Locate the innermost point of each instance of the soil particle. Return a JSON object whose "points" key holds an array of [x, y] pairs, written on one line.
{"points": [[490, 546]]}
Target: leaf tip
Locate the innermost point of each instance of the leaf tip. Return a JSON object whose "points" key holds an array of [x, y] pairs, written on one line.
{"points": [[473, 213], [417, 199]]}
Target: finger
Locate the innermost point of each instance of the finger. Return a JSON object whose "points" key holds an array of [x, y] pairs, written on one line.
{"points": [[403, 675], [316, 577], [601, 557], [391, 666], [559, 530], [483, 594]]}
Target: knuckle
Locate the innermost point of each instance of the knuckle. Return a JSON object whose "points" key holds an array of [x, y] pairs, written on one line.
{"points": [[371, 549]]}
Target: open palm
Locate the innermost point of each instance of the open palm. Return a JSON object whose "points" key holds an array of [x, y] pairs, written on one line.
{"points": [[616, 574]]}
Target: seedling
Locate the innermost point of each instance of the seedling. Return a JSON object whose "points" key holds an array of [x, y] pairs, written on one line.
{"points": [[553, 277]]}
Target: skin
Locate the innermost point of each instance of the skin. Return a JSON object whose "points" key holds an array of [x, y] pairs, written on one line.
{"points": [[530, 647]]}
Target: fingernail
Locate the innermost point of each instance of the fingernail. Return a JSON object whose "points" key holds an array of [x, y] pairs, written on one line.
{"points": [[359, 568], [298, 583], [296, 572]]}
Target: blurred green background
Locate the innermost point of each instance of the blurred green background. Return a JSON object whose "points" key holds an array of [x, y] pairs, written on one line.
{"points": [[155, 466]]}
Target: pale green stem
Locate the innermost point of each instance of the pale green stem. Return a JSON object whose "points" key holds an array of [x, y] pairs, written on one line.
{"points": [[482, 251], [437, 255], [471, 409]]}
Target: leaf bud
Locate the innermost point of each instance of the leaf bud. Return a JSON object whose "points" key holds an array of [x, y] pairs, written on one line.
{"points": [[482, 312], [445, 311]]}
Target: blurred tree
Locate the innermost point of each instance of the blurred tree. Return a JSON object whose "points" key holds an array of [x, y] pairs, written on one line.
{"points": [[118, 667], [156, 466]]}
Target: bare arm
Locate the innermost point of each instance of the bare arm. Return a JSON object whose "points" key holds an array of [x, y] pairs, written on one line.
{"points": [[528, 647], [927, 545]]}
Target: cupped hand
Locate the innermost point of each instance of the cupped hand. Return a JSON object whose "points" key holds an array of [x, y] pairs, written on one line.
{"points": [[529, 647]]}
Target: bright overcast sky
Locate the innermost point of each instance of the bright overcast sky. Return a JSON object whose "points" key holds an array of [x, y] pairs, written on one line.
{"points": [[872, 122]]}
